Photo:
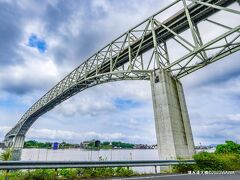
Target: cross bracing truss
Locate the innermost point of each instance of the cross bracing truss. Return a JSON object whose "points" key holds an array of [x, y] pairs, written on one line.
{"points": [[189, 25]]}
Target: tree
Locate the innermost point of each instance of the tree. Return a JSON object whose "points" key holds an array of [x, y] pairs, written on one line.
{"points": [[105, 143], [228, 147]]}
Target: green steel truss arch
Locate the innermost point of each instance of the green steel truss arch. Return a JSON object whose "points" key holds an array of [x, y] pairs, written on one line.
{"points": [[146, 47]]}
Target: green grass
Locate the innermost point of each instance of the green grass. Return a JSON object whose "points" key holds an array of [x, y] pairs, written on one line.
{"points": [[80, 173]]}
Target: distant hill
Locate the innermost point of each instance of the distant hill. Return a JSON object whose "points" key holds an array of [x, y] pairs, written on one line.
{"points": [[213, 145]]}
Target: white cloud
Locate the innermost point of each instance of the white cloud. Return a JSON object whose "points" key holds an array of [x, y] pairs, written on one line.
{"points": [[232, 117], [53, 135], [33, 74], [3, 131]]}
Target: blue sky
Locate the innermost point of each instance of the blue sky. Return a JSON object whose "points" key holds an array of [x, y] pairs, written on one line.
{"points": [[36, 42], [41, 42]]}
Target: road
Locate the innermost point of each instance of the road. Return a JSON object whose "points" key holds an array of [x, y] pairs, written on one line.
{"points": [[235, 176]]}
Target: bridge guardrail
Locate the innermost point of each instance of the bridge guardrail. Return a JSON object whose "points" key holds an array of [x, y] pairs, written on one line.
{"points": [[14, 165]]}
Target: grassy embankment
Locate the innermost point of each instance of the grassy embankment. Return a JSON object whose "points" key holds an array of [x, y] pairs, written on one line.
{"points": [[49, 174], [225, 158]]}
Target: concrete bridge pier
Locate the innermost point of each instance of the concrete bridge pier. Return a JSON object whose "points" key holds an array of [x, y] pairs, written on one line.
{"points": [[16, 143], [173, 129], [8, 142], [17, 147]]}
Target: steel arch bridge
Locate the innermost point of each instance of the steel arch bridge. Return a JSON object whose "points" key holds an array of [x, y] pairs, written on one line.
{"points": [[141, 51]]}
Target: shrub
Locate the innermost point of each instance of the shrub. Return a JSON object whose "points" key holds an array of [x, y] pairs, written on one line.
{"points": [[6, 155], [219, 162], [183, 167], [39, 174], [211, 162], [69, 173], [104, 172], [88, 172], [13, 175], [46, 174], [228, 147], [122, 171]]}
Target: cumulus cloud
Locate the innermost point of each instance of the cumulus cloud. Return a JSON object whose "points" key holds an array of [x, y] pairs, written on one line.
{"points": [[76, 137], [234, 117], [28, 77], [3, 131], [70, 135]]}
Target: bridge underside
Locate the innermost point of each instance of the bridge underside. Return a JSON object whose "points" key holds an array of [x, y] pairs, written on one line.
{"points": [[146, 52]]}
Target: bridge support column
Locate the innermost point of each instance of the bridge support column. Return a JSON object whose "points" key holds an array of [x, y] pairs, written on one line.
{"points": [[174, 134], [18, 144]]}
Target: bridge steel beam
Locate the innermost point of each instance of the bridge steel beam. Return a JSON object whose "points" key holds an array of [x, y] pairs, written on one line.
{"points": [[127, 58], [174, 134]]}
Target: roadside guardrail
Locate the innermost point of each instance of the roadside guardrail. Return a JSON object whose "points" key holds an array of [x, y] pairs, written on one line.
{"points": [[14, 165]]}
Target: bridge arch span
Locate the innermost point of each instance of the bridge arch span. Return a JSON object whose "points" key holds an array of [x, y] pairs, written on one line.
{"points": [[125, 59]]}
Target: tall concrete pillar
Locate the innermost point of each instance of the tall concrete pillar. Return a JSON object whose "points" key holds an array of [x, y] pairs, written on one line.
{"points": [[18, 144], [174, 134]]}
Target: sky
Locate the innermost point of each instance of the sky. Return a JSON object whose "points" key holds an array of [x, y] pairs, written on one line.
{"points": [[42, 41]]}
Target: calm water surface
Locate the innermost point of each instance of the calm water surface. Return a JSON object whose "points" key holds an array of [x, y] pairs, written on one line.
{"points": [[86, 155]]}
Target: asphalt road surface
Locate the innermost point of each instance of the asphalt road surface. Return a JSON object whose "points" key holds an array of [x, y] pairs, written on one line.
{"points": [[235, 176]]}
